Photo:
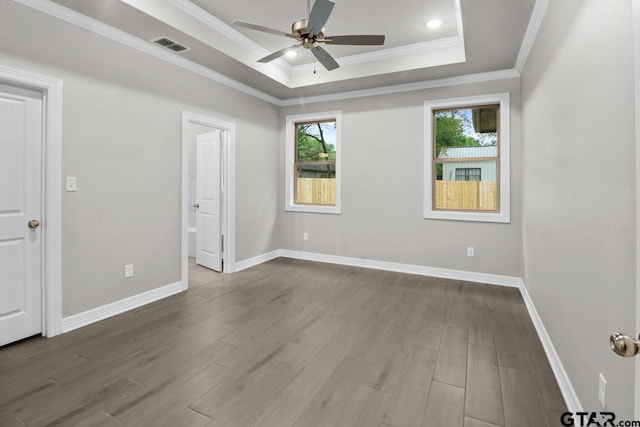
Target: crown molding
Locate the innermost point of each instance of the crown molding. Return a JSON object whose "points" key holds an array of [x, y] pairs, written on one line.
{"points": [[458, 8], [407, 87], [206, 18], [220, 26], [539, 11], [98, 27]]}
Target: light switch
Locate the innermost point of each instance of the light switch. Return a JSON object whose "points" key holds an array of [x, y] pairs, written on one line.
{"points": [[72, 183]]}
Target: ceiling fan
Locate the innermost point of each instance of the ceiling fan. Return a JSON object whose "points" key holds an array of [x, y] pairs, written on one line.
{"points": [[309, 32]]}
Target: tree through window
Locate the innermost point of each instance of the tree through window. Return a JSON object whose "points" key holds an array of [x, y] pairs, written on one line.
{"points": [[315, 163]]}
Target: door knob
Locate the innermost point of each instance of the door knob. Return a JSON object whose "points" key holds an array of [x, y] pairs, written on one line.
{"points": [[623, 345], [196, 206], [34, 223]]}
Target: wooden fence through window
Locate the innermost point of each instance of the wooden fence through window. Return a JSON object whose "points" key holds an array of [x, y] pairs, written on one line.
{"points": [[316, 191], [471, 195]]}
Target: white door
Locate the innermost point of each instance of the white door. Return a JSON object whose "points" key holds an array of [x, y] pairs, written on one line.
{"points": [[20, 202], [208, 197]]}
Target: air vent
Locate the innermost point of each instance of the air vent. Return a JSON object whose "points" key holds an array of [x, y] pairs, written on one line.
{"points": [[170, 44], [176, 47]]}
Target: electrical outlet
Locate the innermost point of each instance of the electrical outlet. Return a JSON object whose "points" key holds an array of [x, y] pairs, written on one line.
{"points": [[305, 236], [602, 390], [128, 271], [471, 252]]}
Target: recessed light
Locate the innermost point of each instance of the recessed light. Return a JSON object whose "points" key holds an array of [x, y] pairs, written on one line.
{"points": [[432, 24], [291, 53]]}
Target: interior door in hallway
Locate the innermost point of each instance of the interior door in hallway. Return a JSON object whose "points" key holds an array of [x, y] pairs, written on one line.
{"points": [[208, 196], [20, 213]]}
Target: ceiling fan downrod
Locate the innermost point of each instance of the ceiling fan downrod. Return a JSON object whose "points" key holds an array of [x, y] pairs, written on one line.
{"points": [[310, 33]]}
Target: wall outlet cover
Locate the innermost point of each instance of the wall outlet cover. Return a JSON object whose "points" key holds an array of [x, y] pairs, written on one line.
{"points": [[602, 390]]}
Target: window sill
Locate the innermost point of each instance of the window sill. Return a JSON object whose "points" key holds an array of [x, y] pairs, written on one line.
{"points": [[314, 209], [500, 217]]}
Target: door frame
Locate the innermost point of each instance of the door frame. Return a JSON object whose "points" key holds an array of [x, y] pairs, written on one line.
{"points": [[228, 198], [51, 276], [635, 23]]}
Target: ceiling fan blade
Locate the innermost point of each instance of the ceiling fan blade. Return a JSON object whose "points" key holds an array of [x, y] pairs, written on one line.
{"points": [[261, 28], [354, 40], [277, 54], [325, 59], [319, 15]]}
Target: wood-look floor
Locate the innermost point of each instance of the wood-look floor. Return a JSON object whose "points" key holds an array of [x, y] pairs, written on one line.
{"points": [[293, 343]]}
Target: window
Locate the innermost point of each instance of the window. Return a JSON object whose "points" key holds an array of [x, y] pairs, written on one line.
{"points": [[467, 159], [313, 163], [468, 174]]}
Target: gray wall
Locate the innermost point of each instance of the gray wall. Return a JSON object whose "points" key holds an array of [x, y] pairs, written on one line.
{"points": [[121, 139], [579, 191], [382, 174]]}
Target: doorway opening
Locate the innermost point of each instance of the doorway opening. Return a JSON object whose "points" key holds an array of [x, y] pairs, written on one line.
{"points": [[208, 194]]}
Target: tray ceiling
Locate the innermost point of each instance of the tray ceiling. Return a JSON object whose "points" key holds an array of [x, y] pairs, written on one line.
{"points": [[476, 37]]}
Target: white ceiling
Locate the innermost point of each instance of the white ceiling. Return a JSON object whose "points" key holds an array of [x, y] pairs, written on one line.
{"points": [[476, 37]]}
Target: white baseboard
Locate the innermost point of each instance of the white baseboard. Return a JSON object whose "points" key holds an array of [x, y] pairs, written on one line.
{"points": [[100, 313], [259, 259], [445, 273], [568, 392]]}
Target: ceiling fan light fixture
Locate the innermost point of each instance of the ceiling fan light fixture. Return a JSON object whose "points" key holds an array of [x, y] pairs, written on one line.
{"points": [[434, 24], [309, 33]]}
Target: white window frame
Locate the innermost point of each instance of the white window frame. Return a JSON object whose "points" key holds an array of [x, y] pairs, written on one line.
{"points": [[290, 142], [504, 213]]}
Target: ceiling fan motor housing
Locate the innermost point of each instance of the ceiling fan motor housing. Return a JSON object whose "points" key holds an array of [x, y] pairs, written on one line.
{"points": [[299, 29], [310, 33]]}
